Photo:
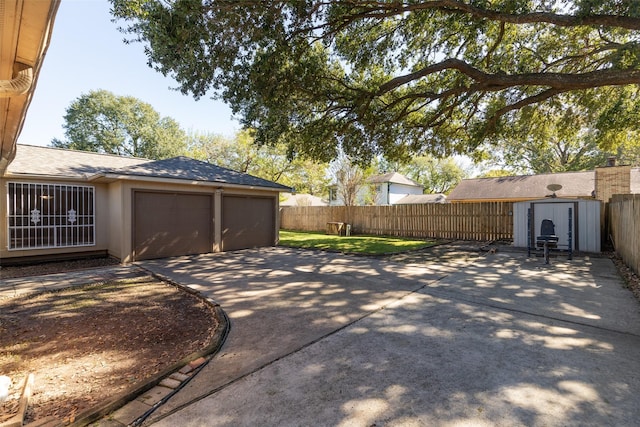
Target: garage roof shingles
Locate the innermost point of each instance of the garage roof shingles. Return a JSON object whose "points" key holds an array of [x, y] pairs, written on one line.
{"points": [[194, 170], [46, 161]]}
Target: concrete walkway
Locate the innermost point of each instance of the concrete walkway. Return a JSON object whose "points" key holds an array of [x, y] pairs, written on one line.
{"points": [[10, 288], [326, 339]]}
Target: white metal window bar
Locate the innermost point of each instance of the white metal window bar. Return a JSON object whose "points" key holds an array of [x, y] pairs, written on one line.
{"points": [[41, 216]]}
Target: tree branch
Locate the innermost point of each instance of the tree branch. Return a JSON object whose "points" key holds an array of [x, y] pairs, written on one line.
{"points": [[491, 121], [499, 81], [379, 9]]}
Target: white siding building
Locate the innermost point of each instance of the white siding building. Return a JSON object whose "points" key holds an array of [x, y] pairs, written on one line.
{"points": [[392, 187]]}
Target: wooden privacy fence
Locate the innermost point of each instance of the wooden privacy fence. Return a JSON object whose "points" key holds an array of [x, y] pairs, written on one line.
{"points": [[460, 221], [624, 224]]}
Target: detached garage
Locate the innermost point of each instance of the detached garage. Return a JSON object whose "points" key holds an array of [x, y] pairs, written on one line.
{"points": [[132, 209]]}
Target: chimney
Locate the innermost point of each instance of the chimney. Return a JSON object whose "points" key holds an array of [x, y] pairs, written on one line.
{"points": [[611, 161], [612, 180]]}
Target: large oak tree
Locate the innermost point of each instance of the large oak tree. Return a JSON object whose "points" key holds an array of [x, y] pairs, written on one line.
{"points": [[104, 122], [386, 77]]}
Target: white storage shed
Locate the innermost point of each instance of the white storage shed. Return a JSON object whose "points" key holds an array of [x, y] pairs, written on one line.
{"points": [[585, 222]]}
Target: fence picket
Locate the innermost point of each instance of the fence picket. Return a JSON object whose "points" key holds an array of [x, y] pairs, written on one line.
{"points": [[464, 221]]}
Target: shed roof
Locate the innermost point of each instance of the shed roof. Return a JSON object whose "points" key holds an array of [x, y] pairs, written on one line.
{"points": [[54, 162], [394, 178], [420, 199], [574, 184]]}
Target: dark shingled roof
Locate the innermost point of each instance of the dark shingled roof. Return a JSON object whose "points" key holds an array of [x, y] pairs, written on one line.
{"points": [[194, 170], [46, 161]]}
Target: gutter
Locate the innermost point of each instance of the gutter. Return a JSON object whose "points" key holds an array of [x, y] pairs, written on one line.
{"points": [[111, 177], [20, 84]]}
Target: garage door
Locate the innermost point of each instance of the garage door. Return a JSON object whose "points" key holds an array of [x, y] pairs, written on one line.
{"points": [[247, 222], [172, 224]]}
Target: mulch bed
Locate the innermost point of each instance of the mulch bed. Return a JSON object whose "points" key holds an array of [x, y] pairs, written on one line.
{"points": [[87, 345]]}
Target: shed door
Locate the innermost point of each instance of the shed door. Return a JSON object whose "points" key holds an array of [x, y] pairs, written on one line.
{"points": [[559, 214], [247, 222], [172, 224]]}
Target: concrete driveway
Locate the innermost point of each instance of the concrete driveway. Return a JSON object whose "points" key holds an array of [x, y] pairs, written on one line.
{"points": [[327, 339]]}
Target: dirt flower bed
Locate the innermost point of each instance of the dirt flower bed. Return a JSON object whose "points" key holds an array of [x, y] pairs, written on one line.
{"points": [[87, 345], [631, 280]]}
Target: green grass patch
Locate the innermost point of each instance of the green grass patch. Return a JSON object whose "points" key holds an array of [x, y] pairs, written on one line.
{"points": [[370, 245]]}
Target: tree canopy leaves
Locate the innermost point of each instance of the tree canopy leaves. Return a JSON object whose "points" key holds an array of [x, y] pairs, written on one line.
{"points": [[103, 122], [397, 78], [271, 162]]}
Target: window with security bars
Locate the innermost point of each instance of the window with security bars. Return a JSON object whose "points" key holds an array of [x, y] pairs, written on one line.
{"points": [[50, 215]]}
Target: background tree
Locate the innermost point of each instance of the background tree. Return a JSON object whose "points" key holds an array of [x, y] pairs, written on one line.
{"points": [[618, 126], [242, 154], [557, 136], [349, 181], [495, 173], [387, 77], [571, 132], [106, 123], [436, 175]]}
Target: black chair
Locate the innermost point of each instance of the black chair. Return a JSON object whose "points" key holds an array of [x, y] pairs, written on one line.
{"points": [[547, 238]]}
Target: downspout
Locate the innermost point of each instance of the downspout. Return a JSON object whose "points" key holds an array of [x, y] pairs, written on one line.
{"points": [[20, 84]]}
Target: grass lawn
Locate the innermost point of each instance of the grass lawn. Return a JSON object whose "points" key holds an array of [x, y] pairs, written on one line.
{"points": [[371, 245]]}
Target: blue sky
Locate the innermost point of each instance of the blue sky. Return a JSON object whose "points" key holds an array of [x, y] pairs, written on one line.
{"points": [[87, 53]]}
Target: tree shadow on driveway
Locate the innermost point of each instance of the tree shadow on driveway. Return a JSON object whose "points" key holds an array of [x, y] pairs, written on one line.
{"points": [[330, 339]]}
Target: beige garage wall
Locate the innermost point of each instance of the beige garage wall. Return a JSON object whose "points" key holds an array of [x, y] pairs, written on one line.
{"points": [[114, 214], [124, 223]]}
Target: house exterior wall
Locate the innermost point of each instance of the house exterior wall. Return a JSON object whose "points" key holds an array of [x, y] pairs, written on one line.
{"points": [[398, 191], [336, 199], [388, 193], [586, 227], [114, 215], [102, 220], [125, 222], [382, 194]]}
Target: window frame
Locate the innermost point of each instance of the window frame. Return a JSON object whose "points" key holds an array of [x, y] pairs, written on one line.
{"points": [[42, 215]]}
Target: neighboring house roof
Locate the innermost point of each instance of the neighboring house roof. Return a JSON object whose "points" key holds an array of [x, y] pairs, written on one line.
{"points": [[303, 200], [54, 162], [420, 199], [574, 184], [24, 39], [394, 178]]}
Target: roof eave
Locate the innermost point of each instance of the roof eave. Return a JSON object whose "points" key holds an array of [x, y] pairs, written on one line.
{"points": [[33, 21], [111, 177], [10, 176]]}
